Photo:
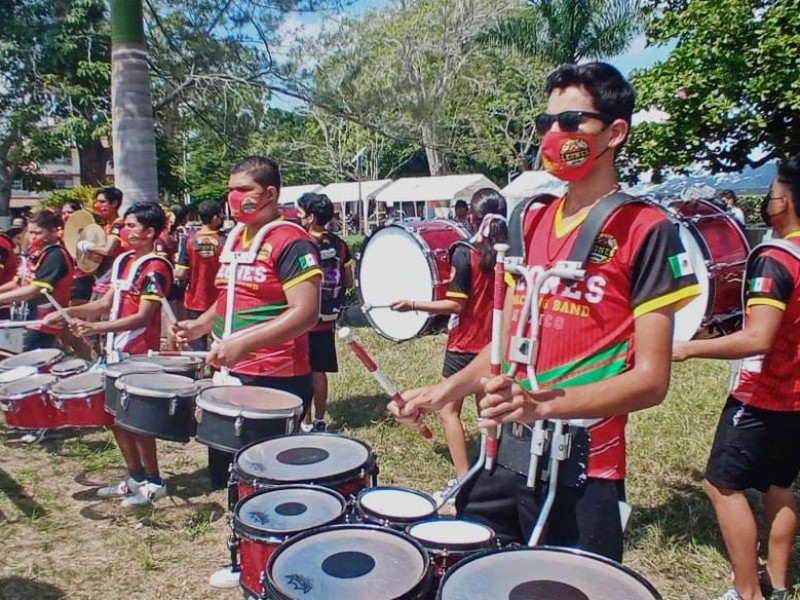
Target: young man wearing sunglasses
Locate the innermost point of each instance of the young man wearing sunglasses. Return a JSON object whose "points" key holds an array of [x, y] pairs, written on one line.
{"points": [[605, 342]]}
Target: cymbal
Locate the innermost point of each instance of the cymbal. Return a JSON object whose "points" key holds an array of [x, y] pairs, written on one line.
{"points": [[88, 262], [77, 222]]}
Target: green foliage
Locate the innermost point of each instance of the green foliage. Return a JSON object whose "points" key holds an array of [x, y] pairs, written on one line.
{"points": [[731, 86], [85, 194]]}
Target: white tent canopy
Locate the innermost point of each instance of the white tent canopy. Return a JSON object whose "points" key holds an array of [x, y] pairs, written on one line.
{"points": [[428, 189], [291, 194], [348, 191], [530, 183]]}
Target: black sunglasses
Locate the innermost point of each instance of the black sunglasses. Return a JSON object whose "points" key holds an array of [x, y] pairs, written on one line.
{"points": [[569, 120]]}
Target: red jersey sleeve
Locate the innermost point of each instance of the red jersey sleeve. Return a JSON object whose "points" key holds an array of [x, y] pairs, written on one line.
{"points": [[297, 261], [155, 280], [771, 279]]}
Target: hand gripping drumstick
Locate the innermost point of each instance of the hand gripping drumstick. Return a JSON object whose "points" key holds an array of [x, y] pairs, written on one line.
{"points": [[496, 348], [347, 336], [60, 309]]}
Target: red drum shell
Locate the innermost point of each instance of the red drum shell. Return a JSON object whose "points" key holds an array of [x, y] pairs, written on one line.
{"points": [[26, 404], [80, 401]]}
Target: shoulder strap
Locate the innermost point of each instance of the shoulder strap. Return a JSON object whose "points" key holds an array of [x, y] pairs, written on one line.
{"points": [[460, 243], [776, 243], [516, 223], [228, 254]]}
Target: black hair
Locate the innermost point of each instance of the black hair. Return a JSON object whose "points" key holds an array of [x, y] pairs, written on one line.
{"points": [[488, 201], [12, 232], [613, 95], [318, 205], [73, 204], [149, 214], [729, 194], [207, 210], [264, 171], [789, 175], [47, 219], [181, 213], [111, 193], [461, 204]]}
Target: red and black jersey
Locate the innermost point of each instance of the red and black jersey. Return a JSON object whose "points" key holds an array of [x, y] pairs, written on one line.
{"points": [[637, 265], [200, 254], [471, 329], [772, 381], [139, 286], [52, 270], [286, 257], [113, 229], [8, 259]]}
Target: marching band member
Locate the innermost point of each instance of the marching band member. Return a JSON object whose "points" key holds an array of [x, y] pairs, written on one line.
{"points": [[262, 315], [315, 212], [604, 348], [107, 203], [133, 305], [198, 263], [757, 442], [469, 300], [81, 291], [8, 268]]}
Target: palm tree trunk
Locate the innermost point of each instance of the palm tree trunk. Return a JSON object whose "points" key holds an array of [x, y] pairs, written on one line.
{"points": [[133, 126]]}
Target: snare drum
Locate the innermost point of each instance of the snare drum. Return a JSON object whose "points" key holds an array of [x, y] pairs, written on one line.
{"points": [[70, 367], [25, 402], [415, 256], [120, 369], [333, 461], [79, 401], [349, 562], [717, 247], [543, 572], [449, 540], [265, 519], [160, 405], [188, 366], [42, 360], [231, 417], [393, 506]]}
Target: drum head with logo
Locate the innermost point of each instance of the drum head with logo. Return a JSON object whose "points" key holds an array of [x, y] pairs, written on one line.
{"points": [[69, 367], [83, 383], [396, 503], [451, 533], [171, 364], [287, 510], [25, 387], [158, 385], [248, 400], [34, 358], [543, 573], [352, 562], [306, 458]]}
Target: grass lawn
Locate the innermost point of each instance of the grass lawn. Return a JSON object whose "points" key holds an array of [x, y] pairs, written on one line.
{"points": [[62, 542]]}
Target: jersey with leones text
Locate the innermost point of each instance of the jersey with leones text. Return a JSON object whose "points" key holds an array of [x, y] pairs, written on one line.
{"points": [[772, 381], [471, 329], [287, 257], [637, 265]]}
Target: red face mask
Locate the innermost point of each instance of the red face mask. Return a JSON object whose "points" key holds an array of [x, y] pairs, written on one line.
{"points": [[102, 209], [569, 155], [244, 205], [130, 238]]}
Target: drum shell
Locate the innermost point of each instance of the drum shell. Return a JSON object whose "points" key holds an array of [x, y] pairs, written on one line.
{"points": [[365, 514], [111, 391], [34, 411], [43, 366], [220, 431], [76, 367], [148, 415], [445, 555], [82, 410]]}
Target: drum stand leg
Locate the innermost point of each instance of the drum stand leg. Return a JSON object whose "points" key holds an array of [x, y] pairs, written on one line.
{"points": [[233, 548], [560, 443], [473, 471]]}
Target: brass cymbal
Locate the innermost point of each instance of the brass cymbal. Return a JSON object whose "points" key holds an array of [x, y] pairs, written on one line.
{"points": [[72, 229], [88, 262]]}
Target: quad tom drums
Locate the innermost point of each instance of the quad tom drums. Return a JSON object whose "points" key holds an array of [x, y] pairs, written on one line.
{"points": [[450, 540], [42, 360], [393, 506], [406, 261], [26, 404], [187, 366], [231, 417], [160, 405], [79, 401], [120, 369], [70, 367]]}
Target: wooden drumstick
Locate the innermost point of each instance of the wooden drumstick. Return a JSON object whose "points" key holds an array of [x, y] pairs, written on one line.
{"points": [[347, 336], [60, 309], [187, 353]]}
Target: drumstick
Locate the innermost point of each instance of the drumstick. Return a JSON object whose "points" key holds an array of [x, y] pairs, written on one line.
{"points": [[187, 353], [347, 336], [164, 302], [496, 348], [60, 309], [15, 324], [368, 307]]}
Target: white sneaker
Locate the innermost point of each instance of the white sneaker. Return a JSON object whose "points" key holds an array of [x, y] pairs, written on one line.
{"points": [[34, 437], [731, 594], [126, 487], [224, 579], [439, 496], [306, 427], [147, 494]]}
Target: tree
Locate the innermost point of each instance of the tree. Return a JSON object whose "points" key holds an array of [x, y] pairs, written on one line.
{"points": [[730, 89]]}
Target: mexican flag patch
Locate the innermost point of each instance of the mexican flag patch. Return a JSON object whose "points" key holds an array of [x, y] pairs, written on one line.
{"points": [[761, 285], [307, 261], [680, 265]]}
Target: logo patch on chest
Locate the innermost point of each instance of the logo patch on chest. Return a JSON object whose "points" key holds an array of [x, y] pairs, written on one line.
{"points": [[604, 249]]}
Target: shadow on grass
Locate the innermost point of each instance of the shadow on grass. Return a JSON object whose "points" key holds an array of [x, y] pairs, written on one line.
{"points": [[21, 588], [189, 485], [359, 411], [16, 494]]}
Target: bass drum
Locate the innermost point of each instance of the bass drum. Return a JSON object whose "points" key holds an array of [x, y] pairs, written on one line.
{"points": [[406, 261], [717, 247]]}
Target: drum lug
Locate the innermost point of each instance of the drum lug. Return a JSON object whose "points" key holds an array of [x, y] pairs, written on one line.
{"points": [[58, 404], [173, 406], [289, 426], [11, 407], [123, 399], [198, 414], [238, 425]]}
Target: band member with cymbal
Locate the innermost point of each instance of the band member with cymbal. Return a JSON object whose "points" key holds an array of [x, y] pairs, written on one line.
{"points": [[81, 291], [107, 203], [135, 328], [262, 337], [604, 340], [757, 443], [469, 301]]}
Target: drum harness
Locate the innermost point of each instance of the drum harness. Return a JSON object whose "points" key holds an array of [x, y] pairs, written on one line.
{"points": [[557, 441]]}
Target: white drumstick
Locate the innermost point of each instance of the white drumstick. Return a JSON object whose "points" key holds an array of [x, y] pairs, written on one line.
{"points": [[368, 307], [188, 353], [60, 309], [15, 324], [164, 302]]}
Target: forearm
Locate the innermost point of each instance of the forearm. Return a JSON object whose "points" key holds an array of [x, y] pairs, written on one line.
{"points": [[438, 307], [136, 321], [9, 286], [744, 343], [89, 310], [205, 322], [28, 292]]}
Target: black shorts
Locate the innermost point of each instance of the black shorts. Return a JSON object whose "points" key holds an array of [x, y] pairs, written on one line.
{"points": [[177, 292], [82, 288], [586, 518], [33, 340], [455, 361], [322, 351], [754, 448]]}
